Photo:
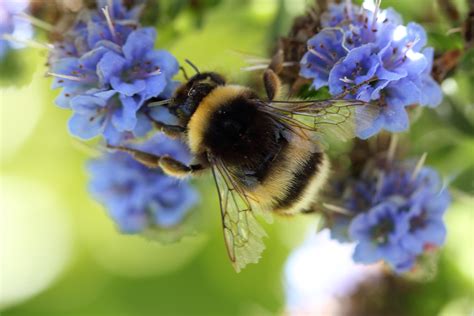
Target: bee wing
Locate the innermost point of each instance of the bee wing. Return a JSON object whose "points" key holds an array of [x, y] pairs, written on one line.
{"points": [[332, 117], [242, 233]]}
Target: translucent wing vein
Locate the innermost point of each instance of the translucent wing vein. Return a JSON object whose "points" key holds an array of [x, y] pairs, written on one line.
{"points": [[243, 234], [343, 119]]}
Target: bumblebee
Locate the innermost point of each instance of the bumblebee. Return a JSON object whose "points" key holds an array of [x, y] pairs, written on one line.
{"points": [[265, 155]]}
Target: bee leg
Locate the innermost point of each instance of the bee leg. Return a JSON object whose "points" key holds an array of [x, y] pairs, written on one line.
{"points": [[175, 168], [270, 78], [272, 84], [149, 160], [173, 131], [169, 165], [276, 64]]}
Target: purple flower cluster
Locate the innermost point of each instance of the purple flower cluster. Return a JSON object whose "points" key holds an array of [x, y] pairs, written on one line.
{"points": [[138, 198], [396, 213], [107, 68], [366, 53], [11, 24]]}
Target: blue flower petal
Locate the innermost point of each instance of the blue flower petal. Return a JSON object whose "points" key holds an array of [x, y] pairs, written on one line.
{"points": [[86, 126], [166, 61], [326, 51], [395, 118], [105, 94], [143, 125], [402, 93], [90, 59], [64, 66], [366, 253], [110, 66], [64, 98], [154, 86], [124, 118], [86, 104], [431, 93], [185, 199], [162, 114], [97, 31], [417, 35], [138, 43], [128, 89]]}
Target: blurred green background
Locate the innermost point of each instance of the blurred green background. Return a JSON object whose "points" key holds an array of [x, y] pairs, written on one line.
{"points": [[61, 255]]}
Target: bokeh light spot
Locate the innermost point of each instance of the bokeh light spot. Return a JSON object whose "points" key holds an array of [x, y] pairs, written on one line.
{"points": [[135, 256], [20, 110], [35, 239]]}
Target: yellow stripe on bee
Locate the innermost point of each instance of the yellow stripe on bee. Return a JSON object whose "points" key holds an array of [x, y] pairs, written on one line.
{"points": [[199, 121], [278, 183], [310, 194]]}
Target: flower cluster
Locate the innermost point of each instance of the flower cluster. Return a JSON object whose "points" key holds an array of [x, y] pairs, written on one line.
{"points": [[12, 25], [395, 213], [138, 198], [368, 54], [108, 68]]}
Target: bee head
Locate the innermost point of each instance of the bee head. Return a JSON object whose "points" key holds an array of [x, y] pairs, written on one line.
{"points": [[188, 96]]}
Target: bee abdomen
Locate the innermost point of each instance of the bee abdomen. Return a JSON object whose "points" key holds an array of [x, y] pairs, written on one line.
{"points": [[304, 184]]}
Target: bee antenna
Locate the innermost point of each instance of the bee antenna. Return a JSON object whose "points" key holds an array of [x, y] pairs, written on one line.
{"points": [[192, 66]]}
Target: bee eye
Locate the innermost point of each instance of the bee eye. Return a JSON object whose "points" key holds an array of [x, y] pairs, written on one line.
{"points": [[191, 92]]}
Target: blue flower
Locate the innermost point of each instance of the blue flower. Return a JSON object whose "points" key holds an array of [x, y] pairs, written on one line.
{"points": [[138, 198], [367, 54], [426, 228], [378, 233], [324, 51], [108, 68], [119, 11], [139, 70], [13, 25], [394, 213]]}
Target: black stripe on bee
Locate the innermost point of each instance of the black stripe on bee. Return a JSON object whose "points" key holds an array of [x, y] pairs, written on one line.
{"points": [[301, 179]]}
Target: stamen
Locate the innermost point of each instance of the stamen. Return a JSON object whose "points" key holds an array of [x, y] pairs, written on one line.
{"points": [[349, 8], [346, 80], [355, 88], [254, 67], [314, 14], [29, 43], [418, 166], [264, 66], [392, 147], [110, 23], [318, 54], [249, 57], [73, 78], [154, 73], [379, 184], [337, 209], [344, 37], [36, 22], [454, 30], [256, 60], [159, 103], [319, 68], [375, 16]]}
